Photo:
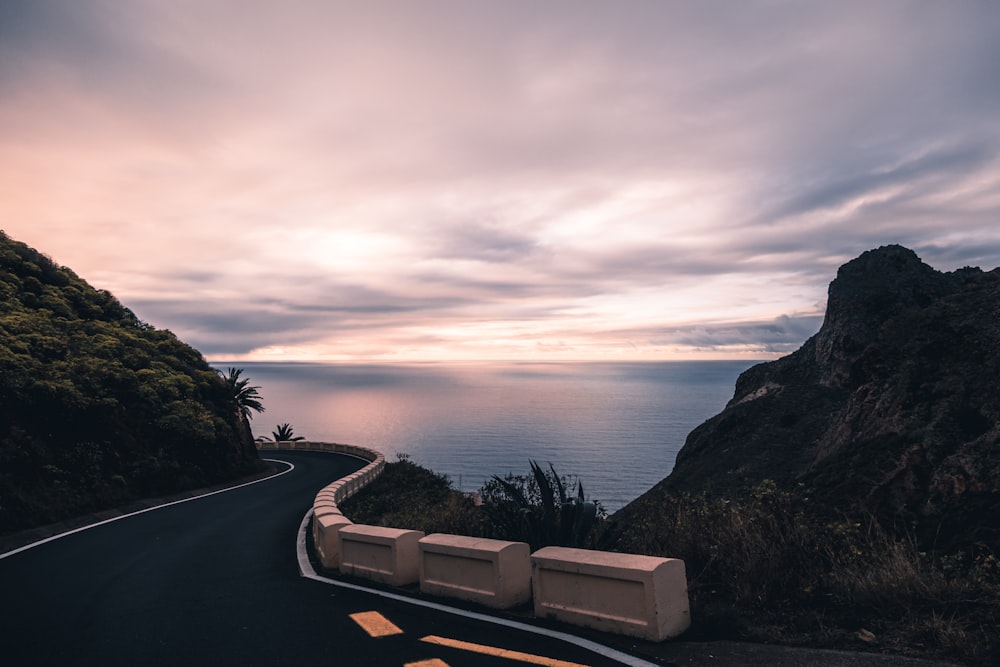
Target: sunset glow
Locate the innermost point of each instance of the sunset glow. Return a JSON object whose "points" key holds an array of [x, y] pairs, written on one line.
{"points": [[389, 181]]}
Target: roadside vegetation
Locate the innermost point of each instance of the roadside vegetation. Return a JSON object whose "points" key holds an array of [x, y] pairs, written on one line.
{"points": [[410, 496], [536, 508], [768, 567]]}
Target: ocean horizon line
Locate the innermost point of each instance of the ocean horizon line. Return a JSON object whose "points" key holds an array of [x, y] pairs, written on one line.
{"points": [[475, 362]]}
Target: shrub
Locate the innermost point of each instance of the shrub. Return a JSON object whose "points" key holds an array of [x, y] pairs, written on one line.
{"points": [[407, 495], [537, 509]]}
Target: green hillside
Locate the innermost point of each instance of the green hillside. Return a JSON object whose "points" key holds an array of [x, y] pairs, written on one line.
{"points": [[96, 406]]}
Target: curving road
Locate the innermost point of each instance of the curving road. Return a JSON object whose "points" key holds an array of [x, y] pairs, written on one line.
{"points": [[215, 581]]}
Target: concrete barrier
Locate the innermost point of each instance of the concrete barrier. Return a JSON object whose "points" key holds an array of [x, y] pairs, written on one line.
{"points": [[638, 596], [494, 573], [326, 537], [386, 555], [326, 507], [326, 494]]}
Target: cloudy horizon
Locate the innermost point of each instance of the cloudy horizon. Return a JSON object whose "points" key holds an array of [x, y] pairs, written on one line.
{"points": [[445, 180]]}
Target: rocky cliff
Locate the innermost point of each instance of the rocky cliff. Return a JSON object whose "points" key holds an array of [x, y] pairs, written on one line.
{"points": [[892, 408]]}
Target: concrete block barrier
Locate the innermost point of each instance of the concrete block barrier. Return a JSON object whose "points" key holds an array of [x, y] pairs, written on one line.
{"points": [[493, 573], [326, 529], [386, 555], [628, 594], [326, 507], [339, 491], [326, 494], [350, 484]]}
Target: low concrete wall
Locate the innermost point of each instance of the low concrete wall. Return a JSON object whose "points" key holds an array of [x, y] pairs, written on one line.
{"points": [[386, 555], [493, 573], [639, 596], [326, 537]]}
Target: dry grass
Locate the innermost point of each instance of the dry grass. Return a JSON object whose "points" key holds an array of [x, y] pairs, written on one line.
{"points": [[766, 568]]}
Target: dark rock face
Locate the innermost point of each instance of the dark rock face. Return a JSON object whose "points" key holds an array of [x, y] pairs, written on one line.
{"points": [[892, 408]]}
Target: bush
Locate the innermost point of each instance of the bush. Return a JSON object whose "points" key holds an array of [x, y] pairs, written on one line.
{"points": [[407, 495], [516, 508], [537, 509]]}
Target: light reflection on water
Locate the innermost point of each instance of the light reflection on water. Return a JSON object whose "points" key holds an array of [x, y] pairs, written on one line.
{"points": [[616, 425]]}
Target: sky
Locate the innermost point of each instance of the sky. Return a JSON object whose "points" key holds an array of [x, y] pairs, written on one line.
{"points": [[455, 180]]}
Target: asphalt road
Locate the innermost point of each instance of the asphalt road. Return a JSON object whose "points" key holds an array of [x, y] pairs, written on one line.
{"points": [[215, 581]]}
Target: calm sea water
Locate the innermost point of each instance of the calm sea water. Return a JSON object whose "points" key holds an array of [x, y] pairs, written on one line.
{"points": [[617, 426]]}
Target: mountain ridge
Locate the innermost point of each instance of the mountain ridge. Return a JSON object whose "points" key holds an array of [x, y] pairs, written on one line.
{"points": [[891, 409]]}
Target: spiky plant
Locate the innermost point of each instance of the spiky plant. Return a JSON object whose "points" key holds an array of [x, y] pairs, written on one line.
{"points": [[285, 433], [537, 509]]}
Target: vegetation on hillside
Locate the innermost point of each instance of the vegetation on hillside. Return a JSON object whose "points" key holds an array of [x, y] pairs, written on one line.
{"points": [[538, 509], [767, 567], [771, 566], [407, 495], [243, 394], [98, 407]]}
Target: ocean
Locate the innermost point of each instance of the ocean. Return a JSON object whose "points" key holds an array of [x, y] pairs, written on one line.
{"points": [[617, 427]]}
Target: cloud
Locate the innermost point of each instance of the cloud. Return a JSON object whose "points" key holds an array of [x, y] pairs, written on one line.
{"points": [[400, 180], [782, 335], [953, 162]]}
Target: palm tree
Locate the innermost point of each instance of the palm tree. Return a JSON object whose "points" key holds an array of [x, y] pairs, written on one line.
{"points": [[244, 394], [285, 433]]}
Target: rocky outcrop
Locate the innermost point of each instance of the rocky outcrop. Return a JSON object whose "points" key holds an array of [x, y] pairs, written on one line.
{"points": [[892, 408]]}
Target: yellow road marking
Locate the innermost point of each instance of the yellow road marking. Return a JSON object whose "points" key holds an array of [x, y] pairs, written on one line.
{"points": [[499, 652], [375, 624], [433, 662]]}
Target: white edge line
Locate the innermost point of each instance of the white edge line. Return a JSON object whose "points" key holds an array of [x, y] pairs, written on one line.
{"points": [[148, 509], [306, 570]]}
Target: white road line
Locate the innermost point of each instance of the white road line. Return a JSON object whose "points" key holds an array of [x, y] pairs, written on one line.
{"points": [[148, 509], [306, 570]]}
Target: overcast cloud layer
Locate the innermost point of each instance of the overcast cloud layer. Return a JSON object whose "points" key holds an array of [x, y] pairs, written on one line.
{"points": [[463, 179]]}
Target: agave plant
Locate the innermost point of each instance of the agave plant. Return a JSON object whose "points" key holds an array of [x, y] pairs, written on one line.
{"points": [[285, 433], [537, 509]]}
